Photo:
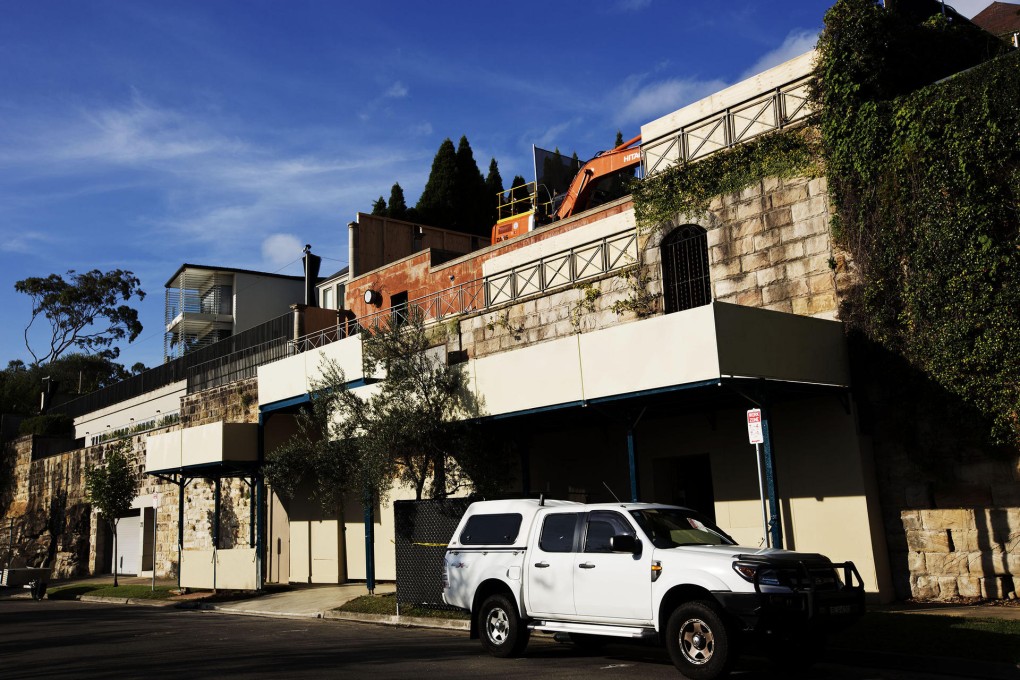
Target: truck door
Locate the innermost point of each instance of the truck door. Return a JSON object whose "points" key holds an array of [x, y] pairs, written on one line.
{"points": [[608, 584], [550, 565]]}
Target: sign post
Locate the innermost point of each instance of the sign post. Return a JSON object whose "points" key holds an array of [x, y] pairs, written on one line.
{"points": [[155, 516], [756, 437]]}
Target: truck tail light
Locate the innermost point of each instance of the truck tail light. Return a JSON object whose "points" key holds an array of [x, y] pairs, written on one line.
{"points": [[656, 570]]}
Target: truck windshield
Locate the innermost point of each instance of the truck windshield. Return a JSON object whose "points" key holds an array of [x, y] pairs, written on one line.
{"points": [[673, 527]]}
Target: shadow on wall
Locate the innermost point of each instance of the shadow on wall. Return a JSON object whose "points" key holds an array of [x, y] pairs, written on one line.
{"points": [[950, 496]]}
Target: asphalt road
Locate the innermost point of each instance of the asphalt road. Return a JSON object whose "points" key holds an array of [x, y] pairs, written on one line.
{"points": [[83, 640]]}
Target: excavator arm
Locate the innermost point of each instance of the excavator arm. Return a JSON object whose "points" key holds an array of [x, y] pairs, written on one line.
{"points": [[627, 155]]}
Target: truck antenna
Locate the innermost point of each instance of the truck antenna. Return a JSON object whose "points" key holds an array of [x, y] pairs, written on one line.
{"points": [[541, 499], [611, 493]]}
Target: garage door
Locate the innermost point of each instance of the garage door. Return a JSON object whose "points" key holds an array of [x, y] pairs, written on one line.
{"points": [[129, 543]]}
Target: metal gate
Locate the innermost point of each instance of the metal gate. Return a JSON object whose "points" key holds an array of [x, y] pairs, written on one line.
{"points": [[423, 530], [685, 276]]}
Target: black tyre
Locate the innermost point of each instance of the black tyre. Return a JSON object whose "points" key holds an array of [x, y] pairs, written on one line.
{"points": [[588, 644], [794, 652], [698, 641], [502, 632]]}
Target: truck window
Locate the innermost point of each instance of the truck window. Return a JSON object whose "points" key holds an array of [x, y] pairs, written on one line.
{"points": [[602, 526], [499, 529], [558, 533]]}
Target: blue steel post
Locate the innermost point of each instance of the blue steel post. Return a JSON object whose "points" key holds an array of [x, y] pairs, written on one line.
{"points": [[370, 542], [771, 484], [632, 460]]}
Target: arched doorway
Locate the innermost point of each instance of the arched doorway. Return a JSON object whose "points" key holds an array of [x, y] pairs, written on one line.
{"points": [[685, 278]]}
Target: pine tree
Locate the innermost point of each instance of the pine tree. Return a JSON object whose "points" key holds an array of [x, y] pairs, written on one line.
{"points": [[438, 202], [379, 207], [494, 191], [473, 210], [398, 207]]}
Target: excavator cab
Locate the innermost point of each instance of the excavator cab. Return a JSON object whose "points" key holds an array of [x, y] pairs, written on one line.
{"points": [[565, 187]]}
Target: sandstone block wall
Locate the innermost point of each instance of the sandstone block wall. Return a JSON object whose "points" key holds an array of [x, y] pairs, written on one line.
{"points": [[768, 247], [962, 552]]}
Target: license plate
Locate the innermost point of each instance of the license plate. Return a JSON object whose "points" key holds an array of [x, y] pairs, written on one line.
{"points": [[842, 609]]}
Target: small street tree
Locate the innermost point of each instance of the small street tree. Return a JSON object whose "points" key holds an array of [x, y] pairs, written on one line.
{"points": [[417, 428], [84, 311], [110, 488]]}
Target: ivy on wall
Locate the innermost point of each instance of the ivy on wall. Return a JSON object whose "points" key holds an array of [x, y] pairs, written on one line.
{"points": [[925, 177], [687, 189]]}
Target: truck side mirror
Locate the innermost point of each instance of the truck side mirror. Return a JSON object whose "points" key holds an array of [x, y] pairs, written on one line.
{"points": [[624, 543]]}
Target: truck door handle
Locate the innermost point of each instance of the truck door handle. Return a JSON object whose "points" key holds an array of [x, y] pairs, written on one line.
{"points": [[541, 565], [586, 565]]}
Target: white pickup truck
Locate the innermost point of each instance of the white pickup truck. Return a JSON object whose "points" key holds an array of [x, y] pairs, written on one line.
{"points": [[637, 570]]}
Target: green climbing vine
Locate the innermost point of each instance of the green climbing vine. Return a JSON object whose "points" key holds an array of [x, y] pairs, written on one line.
{"points": [[924, 172], [688, 188]]}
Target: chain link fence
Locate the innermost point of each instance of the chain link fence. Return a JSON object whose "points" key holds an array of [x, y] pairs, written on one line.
{"points": [[423, 530]]}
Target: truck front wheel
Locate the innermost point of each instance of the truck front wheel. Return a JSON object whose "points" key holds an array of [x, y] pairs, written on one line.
{"points": [[503, 633], [698, 641]]}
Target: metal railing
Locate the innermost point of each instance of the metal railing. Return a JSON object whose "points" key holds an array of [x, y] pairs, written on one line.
{"points": [[560, 269], [176, 370], [564, 268], [734, 125], [237, 365]]}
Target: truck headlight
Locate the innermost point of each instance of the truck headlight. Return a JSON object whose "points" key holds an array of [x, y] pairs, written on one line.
{"points": [[748, 571]]}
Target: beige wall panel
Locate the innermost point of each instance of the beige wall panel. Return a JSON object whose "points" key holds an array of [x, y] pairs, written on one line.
{"points": [[240, 441], [619, 359], [781, 346], [282, 379], [539, 375], [325, 551], [236, 569], [163, 451], [197, 569], [278, 545], [300, 546]]}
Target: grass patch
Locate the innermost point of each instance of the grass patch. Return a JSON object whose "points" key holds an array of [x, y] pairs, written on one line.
{"points": [[933, 636], [386, 604], [139, 592]]}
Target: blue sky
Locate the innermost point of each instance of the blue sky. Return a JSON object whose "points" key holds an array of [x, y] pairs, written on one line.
{"points": [[145, 134]]}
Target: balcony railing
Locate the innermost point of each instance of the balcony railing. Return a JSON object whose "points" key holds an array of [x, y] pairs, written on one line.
{"points": [[558, 270], [766, 112]]}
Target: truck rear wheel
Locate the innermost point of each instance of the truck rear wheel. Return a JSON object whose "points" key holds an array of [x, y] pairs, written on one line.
{"points": [[698, 641], [503, 633]]}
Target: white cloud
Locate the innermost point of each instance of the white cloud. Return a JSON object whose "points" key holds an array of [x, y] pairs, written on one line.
{"points": [[396, 91], [422, 129], [23, 242], [794, 45], [644, 102], [280, 250], [552, 136]]}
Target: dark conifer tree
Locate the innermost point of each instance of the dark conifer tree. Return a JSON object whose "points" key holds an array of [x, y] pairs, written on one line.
{"points": [[438, 202], [397, 207], [519, 195], [473, 211], [494, 191], [379, 207]]}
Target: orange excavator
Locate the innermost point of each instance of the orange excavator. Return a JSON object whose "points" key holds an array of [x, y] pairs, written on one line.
{"points": [[522, 212]]}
